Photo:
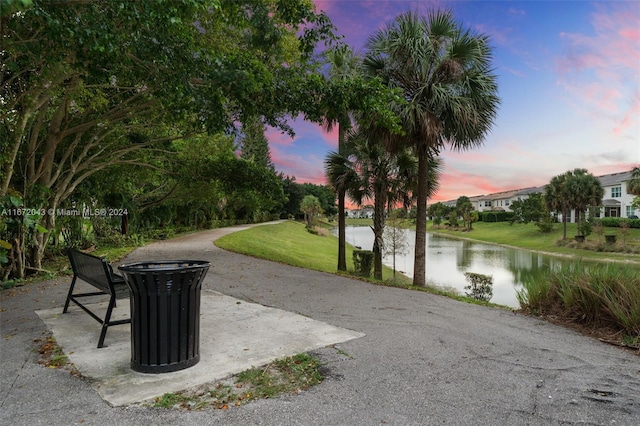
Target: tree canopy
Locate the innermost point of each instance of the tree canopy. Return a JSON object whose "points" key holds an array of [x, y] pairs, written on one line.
{"points": [[88, 86], [531, 209], [573, 190]]}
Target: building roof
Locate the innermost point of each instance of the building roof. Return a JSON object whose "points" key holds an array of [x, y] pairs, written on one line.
{"points": [[504, 195], [605, 180], [614, 178]]}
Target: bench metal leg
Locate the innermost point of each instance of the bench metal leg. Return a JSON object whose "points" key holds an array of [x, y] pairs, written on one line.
{"points": [[106, 322], [66, 304]]}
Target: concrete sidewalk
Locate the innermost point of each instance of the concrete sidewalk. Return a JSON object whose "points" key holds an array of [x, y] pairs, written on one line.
{"points": [[234, 336]]}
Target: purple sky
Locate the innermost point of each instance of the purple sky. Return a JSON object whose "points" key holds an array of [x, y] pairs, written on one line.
{"points": [[569, 81]]}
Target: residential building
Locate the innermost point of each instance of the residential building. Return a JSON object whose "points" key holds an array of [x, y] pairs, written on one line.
{"points": [[615, 203], [366, 212]]}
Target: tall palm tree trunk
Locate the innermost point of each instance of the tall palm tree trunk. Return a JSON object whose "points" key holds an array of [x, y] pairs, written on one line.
{"points": [[419, 264], [342, 251], [342, 222], [378, 229]]}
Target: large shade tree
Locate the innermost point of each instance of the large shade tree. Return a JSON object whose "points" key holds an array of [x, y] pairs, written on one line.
{"points": [[86, 84], [444, 74]]}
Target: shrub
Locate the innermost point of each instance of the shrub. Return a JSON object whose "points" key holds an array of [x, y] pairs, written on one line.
{"points": [[453, 219], [480, 286], [616, 222], [363, 262], [545, 225], [496, 216]]}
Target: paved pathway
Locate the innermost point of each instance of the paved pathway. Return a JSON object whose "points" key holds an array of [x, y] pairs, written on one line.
{"points": [[425, 359]]}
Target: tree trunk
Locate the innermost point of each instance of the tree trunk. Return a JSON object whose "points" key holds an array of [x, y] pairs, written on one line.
{"points": [[17, 256], [15, 142], [419, 265], [394, 263], [124, 224], [378, 229], [564, 225], [342, 250], [40, 239]]}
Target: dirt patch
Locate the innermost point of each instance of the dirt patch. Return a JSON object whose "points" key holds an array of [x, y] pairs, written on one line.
{"points": [[52, 356]]}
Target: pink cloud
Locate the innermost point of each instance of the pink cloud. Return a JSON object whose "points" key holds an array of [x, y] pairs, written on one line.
{"points": [[633, 34], [631, 115], [330, 138], [453, 184], [307, 168], [275, 136], [598, 69]]}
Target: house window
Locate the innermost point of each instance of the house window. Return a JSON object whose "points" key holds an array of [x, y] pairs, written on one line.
{"points": [[487, 203], [506, 203], [629, 211], [616, 192]]}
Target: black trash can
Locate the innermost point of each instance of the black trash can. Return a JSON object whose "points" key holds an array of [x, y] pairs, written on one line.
{"points": [[165, 313]]}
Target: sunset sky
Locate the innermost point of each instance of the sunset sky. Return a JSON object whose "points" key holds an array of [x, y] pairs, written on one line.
{"points": [[569, 82]]}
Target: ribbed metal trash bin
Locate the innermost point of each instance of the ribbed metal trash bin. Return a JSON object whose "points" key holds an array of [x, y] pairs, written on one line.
{"points": [[165, 313]]}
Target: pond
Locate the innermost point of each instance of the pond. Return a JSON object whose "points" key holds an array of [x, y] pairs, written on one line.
{"points": [[449, 258]]}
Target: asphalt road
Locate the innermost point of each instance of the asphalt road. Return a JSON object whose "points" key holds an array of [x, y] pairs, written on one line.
{"points": [[424, 360]]}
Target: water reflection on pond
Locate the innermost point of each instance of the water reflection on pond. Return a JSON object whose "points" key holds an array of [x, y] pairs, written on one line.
{"points": [[449, 258]]}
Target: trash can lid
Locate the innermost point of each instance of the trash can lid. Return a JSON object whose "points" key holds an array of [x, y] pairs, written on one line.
{"points": [[164, 265]]}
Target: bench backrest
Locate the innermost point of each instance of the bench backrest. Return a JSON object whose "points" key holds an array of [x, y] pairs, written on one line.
{"points": [[94, 270]]}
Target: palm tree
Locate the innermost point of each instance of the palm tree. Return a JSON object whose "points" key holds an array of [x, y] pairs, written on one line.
{"points": [[341, 176], [370, 172], [557, 199], [344, 65], [464, 208], [633, 185], [583, 190], [443, 72], [385, 178]]}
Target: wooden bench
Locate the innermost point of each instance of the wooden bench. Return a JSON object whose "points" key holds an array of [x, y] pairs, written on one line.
{"points": [[97, 272]]}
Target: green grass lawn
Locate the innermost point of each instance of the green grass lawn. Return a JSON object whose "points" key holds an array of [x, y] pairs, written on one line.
{"points": [[290, 243], [527, 236]]}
